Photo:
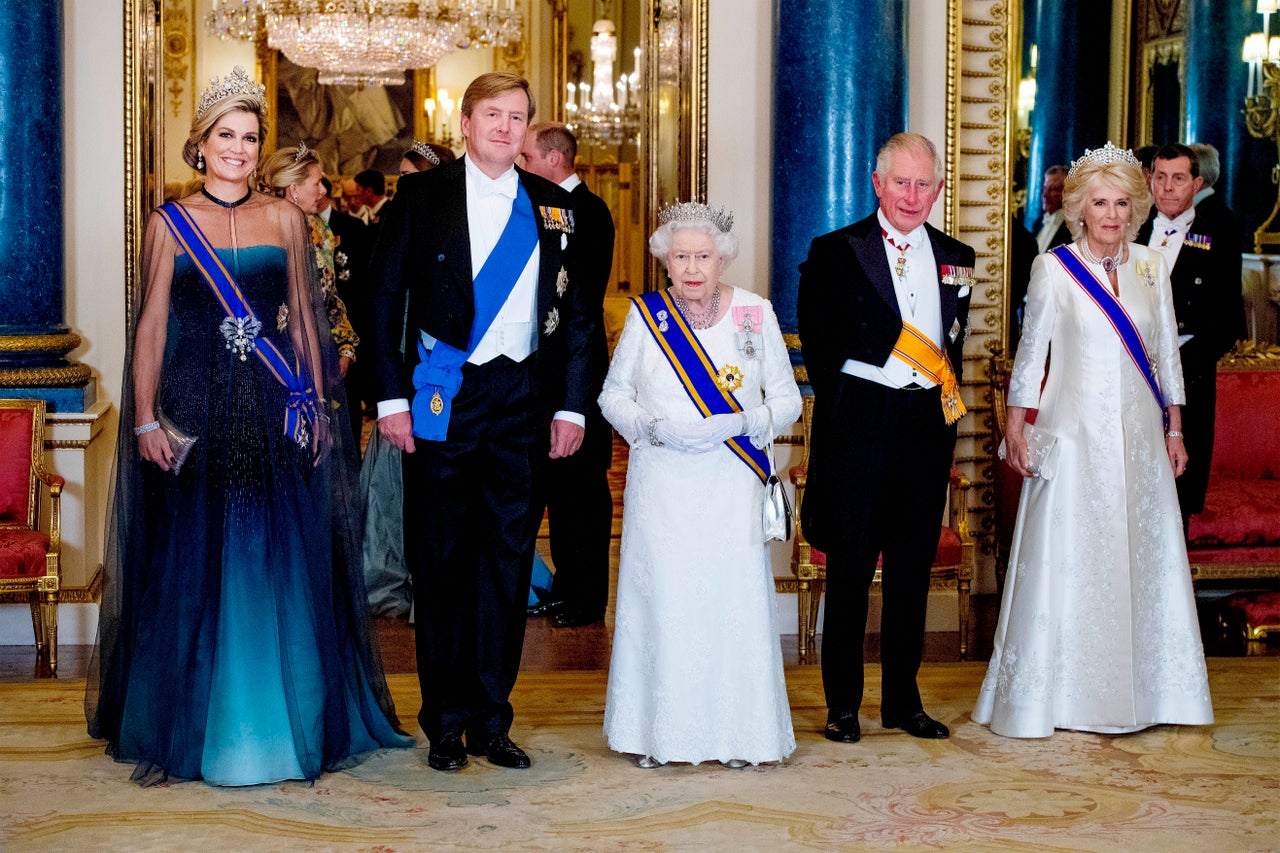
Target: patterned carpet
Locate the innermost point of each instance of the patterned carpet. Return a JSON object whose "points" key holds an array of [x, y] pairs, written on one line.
{"points": [[1169, 789]]}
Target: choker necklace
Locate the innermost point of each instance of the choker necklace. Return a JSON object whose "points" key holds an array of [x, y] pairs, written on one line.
{"points": [[703, 320], [227, 204], [1109, 262]]}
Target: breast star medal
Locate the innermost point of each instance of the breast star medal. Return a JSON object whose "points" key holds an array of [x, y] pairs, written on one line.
{"points": [[729, 378], [562, 282]]}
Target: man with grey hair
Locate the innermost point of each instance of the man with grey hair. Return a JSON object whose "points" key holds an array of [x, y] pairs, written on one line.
{"points": [[1049, 228], [883, 305], [1210, 169]]}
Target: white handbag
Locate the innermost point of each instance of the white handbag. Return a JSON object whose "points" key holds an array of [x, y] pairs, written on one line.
{"points": [[778, 519]]}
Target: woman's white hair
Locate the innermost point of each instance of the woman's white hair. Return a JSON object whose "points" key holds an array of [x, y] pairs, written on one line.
{"points": [[725, 242]]}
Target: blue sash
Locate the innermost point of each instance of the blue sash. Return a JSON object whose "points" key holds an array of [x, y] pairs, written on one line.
{"points": [[1120, 319], [438, 376], [696, 372], [301, 405]]}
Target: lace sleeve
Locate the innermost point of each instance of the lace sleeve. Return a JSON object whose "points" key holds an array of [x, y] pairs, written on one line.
{"points": [[781, 394], [1037, 331], [618, 397]]}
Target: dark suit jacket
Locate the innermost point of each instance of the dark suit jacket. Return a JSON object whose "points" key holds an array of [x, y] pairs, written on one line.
{"points": [[1207, 298], [592, 249], [354, 245], [847, 309], [847, 306], [424, 247]]}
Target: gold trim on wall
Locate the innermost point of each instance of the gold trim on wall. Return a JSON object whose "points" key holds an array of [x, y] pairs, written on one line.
{"points": [[951, 210], [981, 60]]}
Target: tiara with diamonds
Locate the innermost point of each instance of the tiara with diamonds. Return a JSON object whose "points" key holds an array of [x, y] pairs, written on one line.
{"points": [[425, 150], [303, 151], [1105, 155], [235, 83], [692, 211]]}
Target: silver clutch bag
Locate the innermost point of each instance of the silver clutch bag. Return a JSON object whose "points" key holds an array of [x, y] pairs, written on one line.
{"points": [[180, 443], [1042, 457]]}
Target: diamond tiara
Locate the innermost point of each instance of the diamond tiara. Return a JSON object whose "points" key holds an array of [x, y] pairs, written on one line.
{"points": [[302, 151], [425, 150], [1105, 155], [692, 211], [235, 83]]}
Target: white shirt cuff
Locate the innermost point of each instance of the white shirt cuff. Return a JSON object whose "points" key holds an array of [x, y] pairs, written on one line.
{"points": [[572, 417], [392, 407]]}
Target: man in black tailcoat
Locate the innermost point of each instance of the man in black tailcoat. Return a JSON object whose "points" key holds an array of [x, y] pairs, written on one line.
{"points": [[1201, 246], [883, 426], [351, 246], [477, 412], [579, 504]]}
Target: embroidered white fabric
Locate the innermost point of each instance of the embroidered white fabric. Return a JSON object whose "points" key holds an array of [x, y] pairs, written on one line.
{"points": [[1098, 628], [696, 673]]}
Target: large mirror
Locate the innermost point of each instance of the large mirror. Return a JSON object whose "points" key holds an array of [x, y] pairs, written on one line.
{"points": [[661, 157]]}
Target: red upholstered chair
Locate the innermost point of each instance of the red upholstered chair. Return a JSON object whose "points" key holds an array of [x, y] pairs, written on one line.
{"points": [[1237, 536], [30, 557], [953, 565]]}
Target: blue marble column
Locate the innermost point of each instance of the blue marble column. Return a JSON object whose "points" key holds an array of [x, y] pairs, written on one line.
{"points": [[1217, 81], [1072, 84], [33, 336], [839, 91]]}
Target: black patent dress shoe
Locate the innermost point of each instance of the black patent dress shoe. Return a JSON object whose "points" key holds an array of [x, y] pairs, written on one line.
{"points": [[447, 753], [500, 750], [574, 617], [546, 608], [918, 724], [843, 727]]}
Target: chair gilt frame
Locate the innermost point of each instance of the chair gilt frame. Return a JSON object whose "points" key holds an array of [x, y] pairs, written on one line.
{"points": [[43, 590]]}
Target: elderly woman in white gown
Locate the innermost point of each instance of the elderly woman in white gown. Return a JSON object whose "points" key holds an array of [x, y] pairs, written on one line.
{"points": [[700, 383], [1098, 628]]}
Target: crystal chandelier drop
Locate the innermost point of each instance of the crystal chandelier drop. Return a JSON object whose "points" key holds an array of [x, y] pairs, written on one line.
{"points": [[605, 113], [367, 42]]}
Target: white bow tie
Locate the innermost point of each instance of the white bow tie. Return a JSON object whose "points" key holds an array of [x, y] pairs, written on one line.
{"points": [[503, 186]]}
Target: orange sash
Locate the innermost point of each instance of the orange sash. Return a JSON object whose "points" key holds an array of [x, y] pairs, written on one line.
{"points": [[917, 350]]}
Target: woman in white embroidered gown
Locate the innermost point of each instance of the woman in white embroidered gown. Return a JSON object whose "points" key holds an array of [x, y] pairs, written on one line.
{"points": [[696, 673], [1098, 628]]}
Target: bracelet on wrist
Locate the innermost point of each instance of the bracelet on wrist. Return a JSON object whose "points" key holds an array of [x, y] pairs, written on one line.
{"points": [[143, 429], [1173, 433], [653, 433]]}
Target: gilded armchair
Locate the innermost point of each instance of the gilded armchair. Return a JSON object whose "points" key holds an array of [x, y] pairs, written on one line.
{"points": [[30, 558]]}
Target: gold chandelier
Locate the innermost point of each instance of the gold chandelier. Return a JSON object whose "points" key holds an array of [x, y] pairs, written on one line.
{"points": [[367, 42]]}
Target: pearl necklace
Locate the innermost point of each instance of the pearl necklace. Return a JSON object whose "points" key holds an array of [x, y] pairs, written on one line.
{"points": [[1109, 262], [706, 318]]}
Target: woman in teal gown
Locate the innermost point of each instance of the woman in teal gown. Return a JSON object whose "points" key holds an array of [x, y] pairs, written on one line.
{"points": [[234, 644]]}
